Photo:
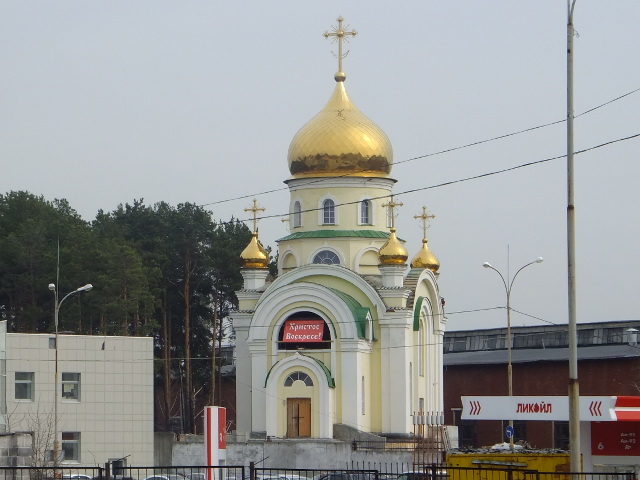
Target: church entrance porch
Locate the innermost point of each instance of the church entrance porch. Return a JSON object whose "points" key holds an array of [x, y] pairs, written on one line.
{"points": [[298, 417]]}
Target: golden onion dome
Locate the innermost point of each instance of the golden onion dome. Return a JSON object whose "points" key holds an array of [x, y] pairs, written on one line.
{"points": [[393, 252], [425, 258], [255, 255], [340, 140]]}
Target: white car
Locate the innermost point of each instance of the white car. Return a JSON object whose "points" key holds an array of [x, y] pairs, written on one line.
{"points": [[165, 477]]}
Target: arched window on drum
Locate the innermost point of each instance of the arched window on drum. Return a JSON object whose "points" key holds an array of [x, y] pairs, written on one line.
{"points": [[297, 215]]}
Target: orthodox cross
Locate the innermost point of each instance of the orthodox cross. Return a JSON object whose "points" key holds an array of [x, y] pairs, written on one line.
{"points": [[255, 209], [425, 217], [340, 35], [392, 205]]}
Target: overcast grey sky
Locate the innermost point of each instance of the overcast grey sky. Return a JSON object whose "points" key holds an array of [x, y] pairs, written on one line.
{"points": [[104, 102]]}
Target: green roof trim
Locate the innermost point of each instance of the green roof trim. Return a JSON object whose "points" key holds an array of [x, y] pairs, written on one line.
{"points": [[335, 234], [359, 312], [416, 314], [330, 380]]}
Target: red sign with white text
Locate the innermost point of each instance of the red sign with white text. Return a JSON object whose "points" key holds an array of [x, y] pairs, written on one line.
{"points": [[300, 331], [615, 438]]}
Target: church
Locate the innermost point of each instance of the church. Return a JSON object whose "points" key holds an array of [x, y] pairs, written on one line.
{"points": [[350, 332]]}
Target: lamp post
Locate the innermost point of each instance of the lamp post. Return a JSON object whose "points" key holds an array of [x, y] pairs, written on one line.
{"points": [[58, 304], [507, 287]]}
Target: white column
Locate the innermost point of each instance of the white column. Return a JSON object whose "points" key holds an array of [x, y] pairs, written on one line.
{"points": [[350, 379], [254, 278], [395, 355], [241, 324], [392, 275], [259, 370]]}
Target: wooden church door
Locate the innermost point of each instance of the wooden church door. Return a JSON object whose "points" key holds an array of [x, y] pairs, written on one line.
{"points": [[298, 417]]}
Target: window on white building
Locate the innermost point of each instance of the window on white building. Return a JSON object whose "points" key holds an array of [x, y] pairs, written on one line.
{"points": [[365, 212], [297, 214], [364, 396], [328, 212], [71, 446], [25, 386], [71, 386]]}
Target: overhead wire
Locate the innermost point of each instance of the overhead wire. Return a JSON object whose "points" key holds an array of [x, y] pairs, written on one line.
{"points": [[461, 180], [452, 149]]}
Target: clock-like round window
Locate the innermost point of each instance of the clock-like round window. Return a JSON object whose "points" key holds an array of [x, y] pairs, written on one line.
{"points": [[327, 257]]}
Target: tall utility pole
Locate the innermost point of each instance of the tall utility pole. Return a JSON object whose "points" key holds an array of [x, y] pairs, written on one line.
{"points": [[574, 390]]}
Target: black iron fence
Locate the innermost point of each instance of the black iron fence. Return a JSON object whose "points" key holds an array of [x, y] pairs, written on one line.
{"points": [[112, 472], [412, 472]]}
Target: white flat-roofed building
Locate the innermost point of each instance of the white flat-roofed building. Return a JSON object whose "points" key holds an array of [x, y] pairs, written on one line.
{"points": [[105, 395]]}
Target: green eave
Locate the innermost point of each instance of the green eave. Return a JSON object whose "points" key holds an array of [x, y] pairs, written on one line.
{"points": [[359, 312], [330, 380], [335, 234]]}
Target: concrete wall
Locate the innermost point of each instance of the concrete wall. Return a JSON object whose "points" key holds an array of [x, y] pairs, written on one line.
{"points": [[303, 454], [162, 448], [189, 451], [15, 450]]}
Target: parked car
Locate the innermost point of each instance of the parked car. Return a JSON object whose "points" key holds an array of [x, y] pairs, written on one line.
{"points": [[427, 474], [114, 477], [291, 476], [196, 476], [165, 477], [347, 476], [76, 476]]}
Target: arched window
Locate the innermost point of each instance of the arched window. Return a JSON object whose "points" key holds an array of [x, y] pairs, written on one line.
{"points": [[297, 214], [327, 257], [328, 212], [365, 212], [298, 376]]}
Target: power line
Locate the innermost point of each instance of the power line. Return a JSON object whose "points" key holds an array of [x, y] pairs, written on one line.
{"points": [[468, 145], [466, 179]]}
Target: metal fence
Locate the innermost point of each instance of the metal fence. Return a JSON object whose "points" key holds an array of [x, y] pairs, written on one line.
{"points": [[413, 472], [494, 473], [111, 472], [428, 472]]}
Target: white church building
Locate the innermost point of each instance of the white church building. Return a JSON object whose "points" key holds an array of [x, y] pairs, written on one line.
{"points": [[350, 332]]}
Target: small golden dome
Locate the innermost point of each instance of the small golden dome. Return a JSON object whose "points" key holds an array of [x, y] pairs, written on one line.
{"points": [[340, 140], [425, 258], [255, 255], [393, 252]]}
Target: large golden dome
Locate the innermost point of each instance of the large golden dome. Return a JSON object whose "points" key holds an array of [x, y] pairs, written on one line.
{"points": [[340, 140]]}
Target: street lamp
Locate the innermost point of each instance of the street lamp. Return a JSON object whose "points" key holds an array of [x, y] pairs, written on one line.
{"points": [[58, 304], [507, 287]]}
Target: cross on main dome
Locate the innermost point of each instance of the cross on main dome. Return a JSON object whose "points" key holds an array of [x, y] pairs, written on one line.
{"points": [[340, 35]]}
